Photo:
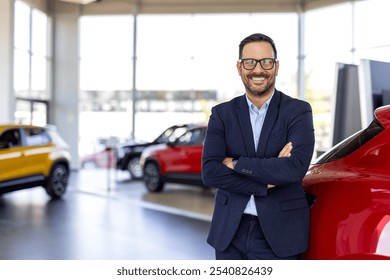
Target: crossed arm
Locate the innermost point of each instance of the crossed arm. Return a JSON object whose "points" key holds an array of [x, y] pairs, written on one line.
{"points": [[285, 152], [254, 175]]}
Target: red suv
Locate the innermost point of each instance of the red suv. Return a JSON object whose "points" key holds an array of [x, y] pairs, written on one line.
{"points": [[350, 218], [177, 162]]}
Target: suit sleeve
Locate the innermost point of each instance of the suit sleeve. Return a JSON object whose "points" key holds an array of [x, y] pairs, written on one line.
{"points": [[214, 173], [283, 171]]}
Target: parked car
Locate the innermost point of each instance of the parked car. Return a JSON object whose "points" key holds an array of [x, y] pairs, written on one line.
{"points": [[32, 156], [101, 159], [177, 162], [98, 152], [350, 184], [128, 154]]}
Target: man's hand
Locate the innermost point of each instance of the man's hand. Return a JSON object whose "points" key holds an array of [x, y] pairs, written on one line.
{"points": [[228, 162], [285, 152]]}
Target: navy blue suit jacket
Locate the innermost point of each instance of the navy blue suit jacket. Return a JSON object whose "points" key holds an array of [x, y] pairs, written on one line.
{"points": [[283, 210]]}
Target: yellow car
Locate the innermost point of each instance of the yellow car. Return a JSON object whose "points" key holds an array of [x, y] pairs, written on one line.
{"points": [[32, 156]]}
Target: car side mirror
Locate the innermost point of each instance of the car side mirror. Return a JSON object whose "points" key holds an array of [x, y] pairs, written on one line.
{"points": [[171, 144]]}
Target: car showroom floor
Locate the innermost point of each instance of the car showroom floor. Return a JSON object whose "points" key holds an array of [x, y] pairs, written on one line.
{"points": [[106, 216]]}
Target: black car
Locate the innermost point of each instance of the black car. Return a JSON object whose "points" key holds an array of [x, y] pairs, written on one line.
{"points": [[128, 154]]}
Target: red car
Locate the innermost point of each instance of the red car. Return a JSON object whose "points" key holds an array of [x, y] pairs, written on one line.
{"points": [[177, 162], [101, 159], [350, 189]]}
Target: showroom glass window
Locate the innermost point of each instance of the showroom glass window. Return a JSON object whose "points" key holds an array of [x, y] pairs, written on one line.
{"points": [[371, 36], [326, 43], [344, 33], [187, 63], [179, 75], [205, 55], [106, 79], [31, 64]]}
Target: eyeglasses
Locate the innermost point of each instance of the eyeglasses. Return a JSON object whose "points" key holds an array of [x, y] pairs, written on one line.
{"points": [[265, 63]]}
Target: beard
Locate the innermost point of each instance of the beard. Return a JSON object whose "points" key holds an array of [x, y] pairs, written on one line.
{"points": [[256, 91]]}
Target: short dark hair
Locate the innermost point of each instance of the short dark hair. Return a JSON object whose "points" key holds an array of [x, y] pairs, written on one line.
{"points": [[257, 37]]}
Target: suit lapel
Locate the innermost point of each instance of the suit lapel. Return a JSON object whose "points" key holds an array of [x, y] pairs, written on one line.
{"points": [[269, 121], [245, 126]]}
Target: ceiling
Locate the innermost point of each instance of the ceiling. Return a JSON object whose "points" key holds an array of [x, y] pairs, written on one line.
{"points": [[199, 6]]}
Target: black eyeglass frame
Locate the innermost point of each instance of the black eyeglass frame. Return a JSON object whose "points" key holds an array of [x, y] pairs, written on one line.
{"points": [[260, 61]]}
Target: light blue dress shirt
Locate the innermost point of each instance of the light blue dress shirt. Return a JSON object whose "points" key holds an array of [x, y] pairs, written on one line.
{"points": [[257, 117]]}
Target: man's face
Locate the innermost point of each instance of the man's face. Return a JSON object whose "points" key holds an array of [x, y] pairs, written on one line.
{"points": [[258, 82]]}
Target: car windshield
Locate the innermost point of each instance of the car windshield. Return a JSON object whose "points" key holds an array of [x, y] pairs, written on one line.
{"points": [[171, 134], [352, 143], [192, 137]]}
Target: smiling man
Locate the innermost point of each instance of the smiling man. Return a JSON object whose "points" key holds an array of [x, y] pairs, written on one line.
{"points": [[257, 150]]}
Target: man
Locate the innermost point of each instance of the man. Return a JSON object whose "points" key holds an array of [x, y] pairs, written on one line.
{"points": [[257, 150]]}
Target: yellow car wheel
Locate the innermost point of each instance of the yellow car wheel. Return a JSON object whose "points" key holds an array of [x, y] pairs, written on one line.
{"points": [[57, 181]]}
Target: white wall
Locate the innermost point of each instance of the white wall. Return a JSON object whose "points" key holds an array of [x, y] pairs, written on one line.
{"points": [[64, 105]]}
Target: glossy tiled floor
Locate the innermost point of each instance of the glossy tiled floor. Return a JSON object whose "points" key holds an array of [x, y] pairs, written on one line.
{"points": [[183, 200], [104, 215]]}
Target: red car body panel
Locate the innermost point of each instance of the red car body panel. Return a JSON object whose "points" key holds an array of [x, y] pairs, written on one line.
{"points": [[180, 159], [351, 216]]}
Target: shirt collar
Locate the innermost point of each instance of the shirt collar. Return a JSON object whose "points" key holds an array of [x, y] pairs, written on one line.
{"points": [[254, 108]]}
